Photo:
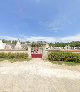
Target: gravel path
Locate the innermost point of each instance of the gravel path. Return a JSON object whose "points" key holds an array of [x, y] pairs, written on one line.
{"points": [[37, 76]]}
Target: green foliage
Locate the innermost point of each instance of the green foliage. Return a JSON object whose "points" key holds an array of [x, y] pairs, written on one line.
{"points": [[14, 55], [14, 42], [60, 44], [39, 44], [75, 44], [64, 56]]}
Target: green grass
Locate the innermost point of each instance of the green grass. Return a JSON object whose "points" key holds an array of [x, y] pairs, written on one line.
{"points": [[2, 59], [15, 60], [57, 62], [71, 63], [65, 63]]}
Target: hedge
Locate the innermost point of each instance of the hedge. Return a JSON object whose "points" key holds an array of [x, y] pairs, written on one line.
{"points": [[14, 55], [64, 56]]}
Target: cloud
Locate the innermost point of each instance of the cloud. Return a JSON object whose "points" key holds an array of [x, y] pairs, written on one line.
{"points": [[55, 39], [42, 38], [8, 38], [71, 38], [57, 24]]}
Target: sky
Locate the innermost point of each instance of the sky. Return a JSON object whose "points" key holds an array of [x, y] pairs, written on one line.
{"points": [[46, 20]]}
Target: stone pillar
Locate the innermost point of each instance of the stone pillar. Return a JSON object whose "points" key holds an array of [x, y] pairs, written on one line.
{"points": [[45, 53], [29, 51]]}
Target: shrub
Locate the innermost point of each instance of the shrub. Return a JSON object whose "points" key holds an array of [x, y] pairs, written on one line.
{"points": [[14, 55], [64, 56]]}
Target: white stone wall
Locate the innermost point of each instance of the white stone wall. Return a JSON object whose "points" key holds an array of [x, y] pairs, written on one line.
{"points": [[2, 45]]}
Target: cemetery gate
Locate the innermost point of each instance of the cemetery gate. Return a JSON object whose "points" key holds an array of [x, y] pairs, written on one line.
{"points": [[36, 52]]}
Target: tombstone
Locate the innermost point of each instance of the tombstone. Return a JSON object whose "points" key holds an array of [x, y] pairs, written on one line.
{"points": [[18, 46], [36, 49], [24, 46], [47, 46], [2, 45], [67, 47], [8, 47]]}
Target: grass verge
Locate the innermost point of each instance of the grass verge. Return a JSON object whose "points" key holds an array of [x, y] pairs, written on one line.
{"points": [[15, 60], [65, 63]]}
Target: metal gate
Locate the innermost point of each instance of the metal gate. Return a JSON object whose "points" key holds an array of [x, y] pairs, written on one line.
{"points": [[36, 52]]}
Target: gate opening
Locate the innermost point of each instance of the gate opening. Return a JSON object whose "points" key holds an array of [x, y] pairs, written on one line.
{"points": [[36, 52]]}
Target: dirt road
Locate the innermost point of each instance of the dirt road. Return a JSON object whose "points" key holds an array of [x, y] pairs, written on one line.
{"points": [[37, 76]]}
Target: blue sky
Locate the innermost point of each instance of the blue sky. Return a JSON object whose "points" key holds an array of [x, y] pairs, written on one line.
{"points": [[50, 20]]}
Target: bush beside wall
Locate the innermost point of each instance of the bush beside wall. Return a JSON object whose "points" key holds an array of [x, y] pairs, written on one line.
{"points": [[13, 55], [64, 56]]}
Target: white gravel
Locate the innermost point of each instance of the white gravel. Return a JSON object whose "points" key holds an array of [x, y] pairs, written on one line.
{"points": [[34, 72], [37, 69]]}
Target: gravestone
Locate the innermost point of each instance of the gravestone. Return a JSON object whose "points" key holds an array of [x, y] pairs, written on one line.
{"points": [[67, 47], [18, 46], [47, 46], [8, 47]]}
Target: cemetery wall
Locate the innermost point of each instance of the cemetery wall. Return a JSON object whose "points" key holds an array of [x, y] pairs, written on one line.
{"points": [[13, 51]]}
